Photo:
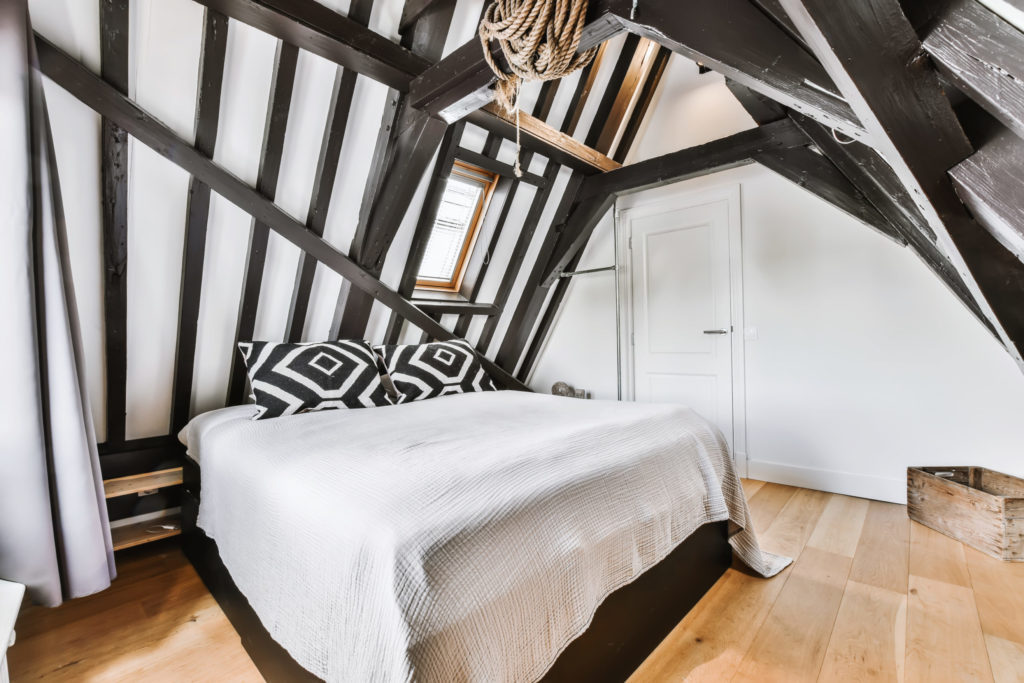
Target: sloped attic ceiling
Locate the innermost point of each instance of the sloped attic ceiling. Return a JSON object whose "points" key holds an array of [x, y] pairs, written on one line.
{"points": [[330, 145]]}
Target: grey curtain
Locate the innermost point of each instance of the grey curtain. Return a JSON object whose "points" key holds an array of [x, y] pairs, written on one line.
{"points": [[54, 533]]}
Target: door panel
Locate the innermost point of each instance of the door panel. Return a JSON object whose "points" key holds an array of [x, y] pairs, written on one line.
{"points": [[680, 282]]}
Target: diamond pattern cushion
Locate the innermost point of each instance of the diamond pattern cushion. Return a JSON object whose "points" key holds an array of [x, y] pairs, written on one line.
{"points": [[299, 378], [421, 371]]}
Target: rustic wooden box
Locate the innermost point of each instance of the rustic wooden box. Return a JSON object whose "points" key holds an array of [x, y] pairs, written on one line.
{"points": [[979, 507]]}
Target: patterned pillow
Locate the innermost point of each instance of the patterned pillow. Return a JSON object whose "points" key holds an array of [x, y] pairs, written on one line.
{"points": [[300, 378], [421, 371]]}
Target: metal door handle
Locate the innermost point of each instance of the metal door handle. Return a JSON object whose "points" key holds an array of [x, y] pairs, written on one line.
{"points": [[716, 331]]}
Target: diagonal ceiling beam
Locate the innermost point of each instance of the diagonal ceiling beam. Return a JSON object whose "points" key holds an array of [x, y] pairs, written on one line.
{"points": [[873, 54], [318, 29], [598, 193], [983, 55], [92, 91], [733, 37]]}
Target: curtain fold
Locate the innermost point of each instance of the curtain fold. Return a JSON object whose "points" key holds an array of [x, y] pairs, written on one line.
{"points": [[54, 532]]}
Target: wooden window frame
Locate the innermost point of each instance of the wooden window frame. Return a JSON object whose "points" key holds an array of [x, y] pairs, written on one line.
{"points": [[489, 180]]}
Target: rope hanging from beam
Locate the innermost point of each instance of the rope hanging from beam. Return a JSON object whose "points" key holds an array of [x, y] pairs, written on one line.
{"points": [[539, 39]]}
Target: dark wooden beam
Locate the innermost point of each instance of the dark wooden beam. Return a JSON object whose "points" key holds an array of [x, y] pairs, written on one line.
{"points": [[494, 166], [444, 307], [534, 293], [342, 40], [324, 178], [819, 176], [333, 36], [991, 183], [405, 152], [761, 108], [736, 39], [272, 150], [983, 55], [873, 53], [211, 79], [611, 109], [870, 174], [92, 91], [431, 202], [114, 29], [643, 104], [599, 193], [541, 110]]}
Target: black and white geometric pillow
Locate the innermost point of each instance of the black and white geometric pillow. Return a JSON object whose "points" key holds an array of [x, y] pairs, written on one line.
{"points": [[421, 371], [299, 378]]}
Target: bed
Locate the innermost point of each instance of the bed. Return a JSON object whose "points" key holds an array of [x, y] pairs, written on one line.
{"points": [[470, 537]]}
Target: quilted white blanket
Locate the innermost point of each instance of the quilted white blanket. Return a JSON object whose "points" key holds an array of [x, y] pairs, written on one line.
{"points": [[464, 538]]}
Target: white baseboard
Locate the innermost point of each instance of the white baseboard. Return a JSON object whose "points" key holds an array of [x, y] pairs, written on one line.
{"points": [[833, 481]]}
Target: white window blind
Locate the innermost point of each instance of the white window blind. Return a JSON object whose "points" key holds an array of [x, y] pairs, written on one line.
{"points": [[451, 227]]}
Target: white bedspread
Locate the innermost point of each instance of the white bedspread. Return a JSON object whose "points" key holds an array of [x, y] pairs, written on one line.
{"points": [[464, 538]]}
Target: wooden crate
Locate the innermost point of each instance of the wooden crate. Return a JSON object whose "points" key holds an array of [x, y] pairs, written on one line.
{"points": [[979, 507]]}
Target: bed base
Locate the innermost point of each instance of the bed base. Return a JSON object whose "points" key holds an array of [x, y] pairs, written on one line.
{"points": [[626, 628]]}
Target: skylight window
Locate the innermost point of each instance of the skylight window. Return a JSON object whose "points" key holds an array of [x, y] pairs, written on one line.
{"points": [[456, 226]]}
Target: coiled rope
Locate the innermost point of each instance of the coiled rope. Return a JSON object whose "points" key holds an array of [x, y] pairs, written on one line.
{"points": [[539, 39]]}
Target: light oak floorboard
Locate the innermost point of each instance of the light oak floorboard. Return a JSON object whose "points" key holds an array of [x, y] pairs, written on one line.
{"points": [[790, 645], [944, 639], [157, 622], [840, 526], [868, 641], [789, 531], [768, 502], [883, 553], [710, 642], [937, 557], [1007, 659], [751, 486]]}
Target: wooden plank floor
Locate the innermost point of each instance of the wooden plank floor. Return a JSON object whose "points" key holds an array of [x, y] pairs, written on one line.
{"points": [[870, 597]]}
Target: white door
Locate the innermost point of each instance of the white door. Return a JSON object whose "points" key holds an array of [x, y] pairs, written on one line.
{"points": [[682, 309]]}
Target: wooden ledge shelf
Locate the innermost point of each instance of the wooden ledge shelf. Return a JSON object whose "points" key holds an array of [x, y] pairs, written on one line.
{"points": [[131, 535], [136, 483]]}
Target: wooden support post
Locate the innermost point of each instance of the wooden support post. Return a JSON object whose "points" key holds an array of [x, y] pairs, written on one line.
{"points": [[211, 78], [106, 101], [404, 153], [114, 28], [266, 183], [914, 127], [324, 178]]}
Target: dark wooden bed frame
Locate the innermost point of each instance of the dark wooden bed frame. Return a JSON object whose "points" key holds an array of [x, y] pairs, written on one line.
{"points": [[626, 628]]}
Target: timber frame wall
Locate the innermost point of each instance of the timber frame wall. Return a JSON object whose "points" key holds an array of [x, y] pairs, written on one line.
{"points": [[891, 151]]}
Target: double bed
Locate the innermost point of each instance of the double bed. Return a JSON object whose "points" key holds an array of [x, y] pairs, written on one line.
{"points": [[470, 537]]}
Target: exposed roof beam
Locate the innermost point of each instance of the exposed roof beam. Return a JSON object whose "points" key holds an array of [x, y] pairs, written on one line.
{"points": [[114, 25], [990, 183], [465, 71], [739, 41], [337, 38], [733, 37], [441, 307], [211, 81], [598, 193], [873, 53], [819, 176], [92, 91], [983, 56], [279, 103], [494, 166], [324, 32], [538, 136], [876, 180]]}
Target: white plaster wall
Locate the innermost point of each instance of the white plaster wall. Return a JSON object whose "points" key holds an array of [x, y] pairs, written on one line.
{"points": [[864, 362]]}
